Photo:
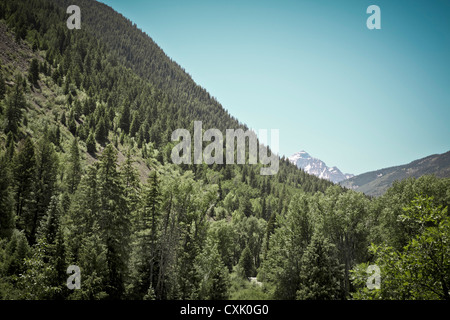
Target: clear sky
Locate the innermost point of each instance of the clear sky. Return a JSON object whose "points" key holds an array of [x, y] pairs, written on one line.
{"points": [[355, 98]]}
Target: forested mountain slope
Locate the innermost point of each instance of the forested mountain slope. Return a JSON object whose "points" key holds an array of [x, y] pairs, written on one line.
{"points": [[375, 183], [86, 179]]}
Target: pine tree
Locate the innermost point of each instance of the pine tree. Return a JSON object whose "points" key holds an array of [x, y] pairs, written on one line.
{"points": [[101, 131], [131, 182], [33, 72], [245, 205], [83, 212], [114, 221], [213, 272], [71, 124], [90, 144], [264, 209], [92, 259], [46, 169], [17, 250], [50, 233], [269, 231], [6, 199], [135, 124], [145, 258], [63, 118], [220, 191], [320, 271], [246, 263], [15, 102], [24, 170], [74, 170], [2, 85], [124, 122], [10, 146]]}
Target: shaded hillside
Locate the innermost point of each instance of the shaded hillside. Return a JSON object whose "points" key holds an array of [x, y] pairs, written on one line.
{"points": [[375, 183]]}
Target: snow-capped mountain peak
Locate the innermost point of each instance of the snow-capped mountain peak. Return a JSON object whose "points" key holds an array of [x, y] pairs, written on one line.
{"points": [[317, 167]]}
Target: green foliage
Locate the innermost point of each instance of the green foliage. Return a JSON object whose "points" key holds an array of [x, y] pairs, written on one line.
{"points": [[15, 102], [320, 272], [74, 171], [24, 171], [124, 122], [33, 72], [90, 144], [101, 133], [246, 263], [189, 231], [282, 264], [7, 222], [421, 269], [2, 85], [114, 221], [45, 182], [243, 289], [214, 275]]}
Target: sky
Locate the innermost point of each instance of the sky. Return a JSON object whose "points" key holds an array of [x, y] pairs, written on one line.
{"points": [[355, 98]]}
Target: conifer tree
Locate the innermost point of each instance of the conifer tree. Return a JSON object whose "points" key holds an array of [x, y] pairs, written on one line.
{"points": [[50, 233], [10, 146], [83, 212], [131, 183], [90, 144], [320, 271], [17, 250], [135, 124], [24, 171], [74, 170], [15, 102], [2, 85], [33, 73], [145, 252], [71, 124], [101, 131], [246, 263], [214, 274], [114, 221], [124, 122], [46, 169], [7, 223]]}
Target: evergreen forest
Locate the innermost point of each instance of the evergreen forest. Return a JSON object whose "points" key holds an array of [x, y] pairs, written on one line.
{"points": [[87, 180]]}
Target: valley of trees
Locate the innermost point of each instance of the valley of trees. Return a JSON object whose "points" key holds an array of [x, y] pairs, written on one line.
{"points": [[86, 179]]}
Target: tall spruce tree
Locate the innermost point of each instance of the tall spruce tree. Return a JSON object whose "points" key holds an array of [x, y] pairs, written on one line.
{"points": [[74, 169], [45, 184], [124, 122], [90, 144], [50, 232], [7, 223], [114, 221], [321, 273], [145, 257], [2, 85], [33, 72], [15, 102], [24, 171]]}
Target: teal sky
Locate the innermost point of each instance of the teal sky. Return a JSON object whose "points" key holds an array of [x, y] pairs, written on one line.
{"points": [[355, 98]]}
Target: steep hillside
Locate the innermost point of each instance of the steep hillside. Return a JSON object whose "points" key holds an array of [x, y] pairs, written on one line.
{"points": [[375, 183], [87, 183], [137, 51], [86, 118]]}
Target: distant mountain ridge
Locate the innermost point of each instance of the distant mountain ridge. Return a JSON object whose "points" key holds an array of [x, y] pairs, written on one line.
{"points": [[317, 167], [375, 183]]}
